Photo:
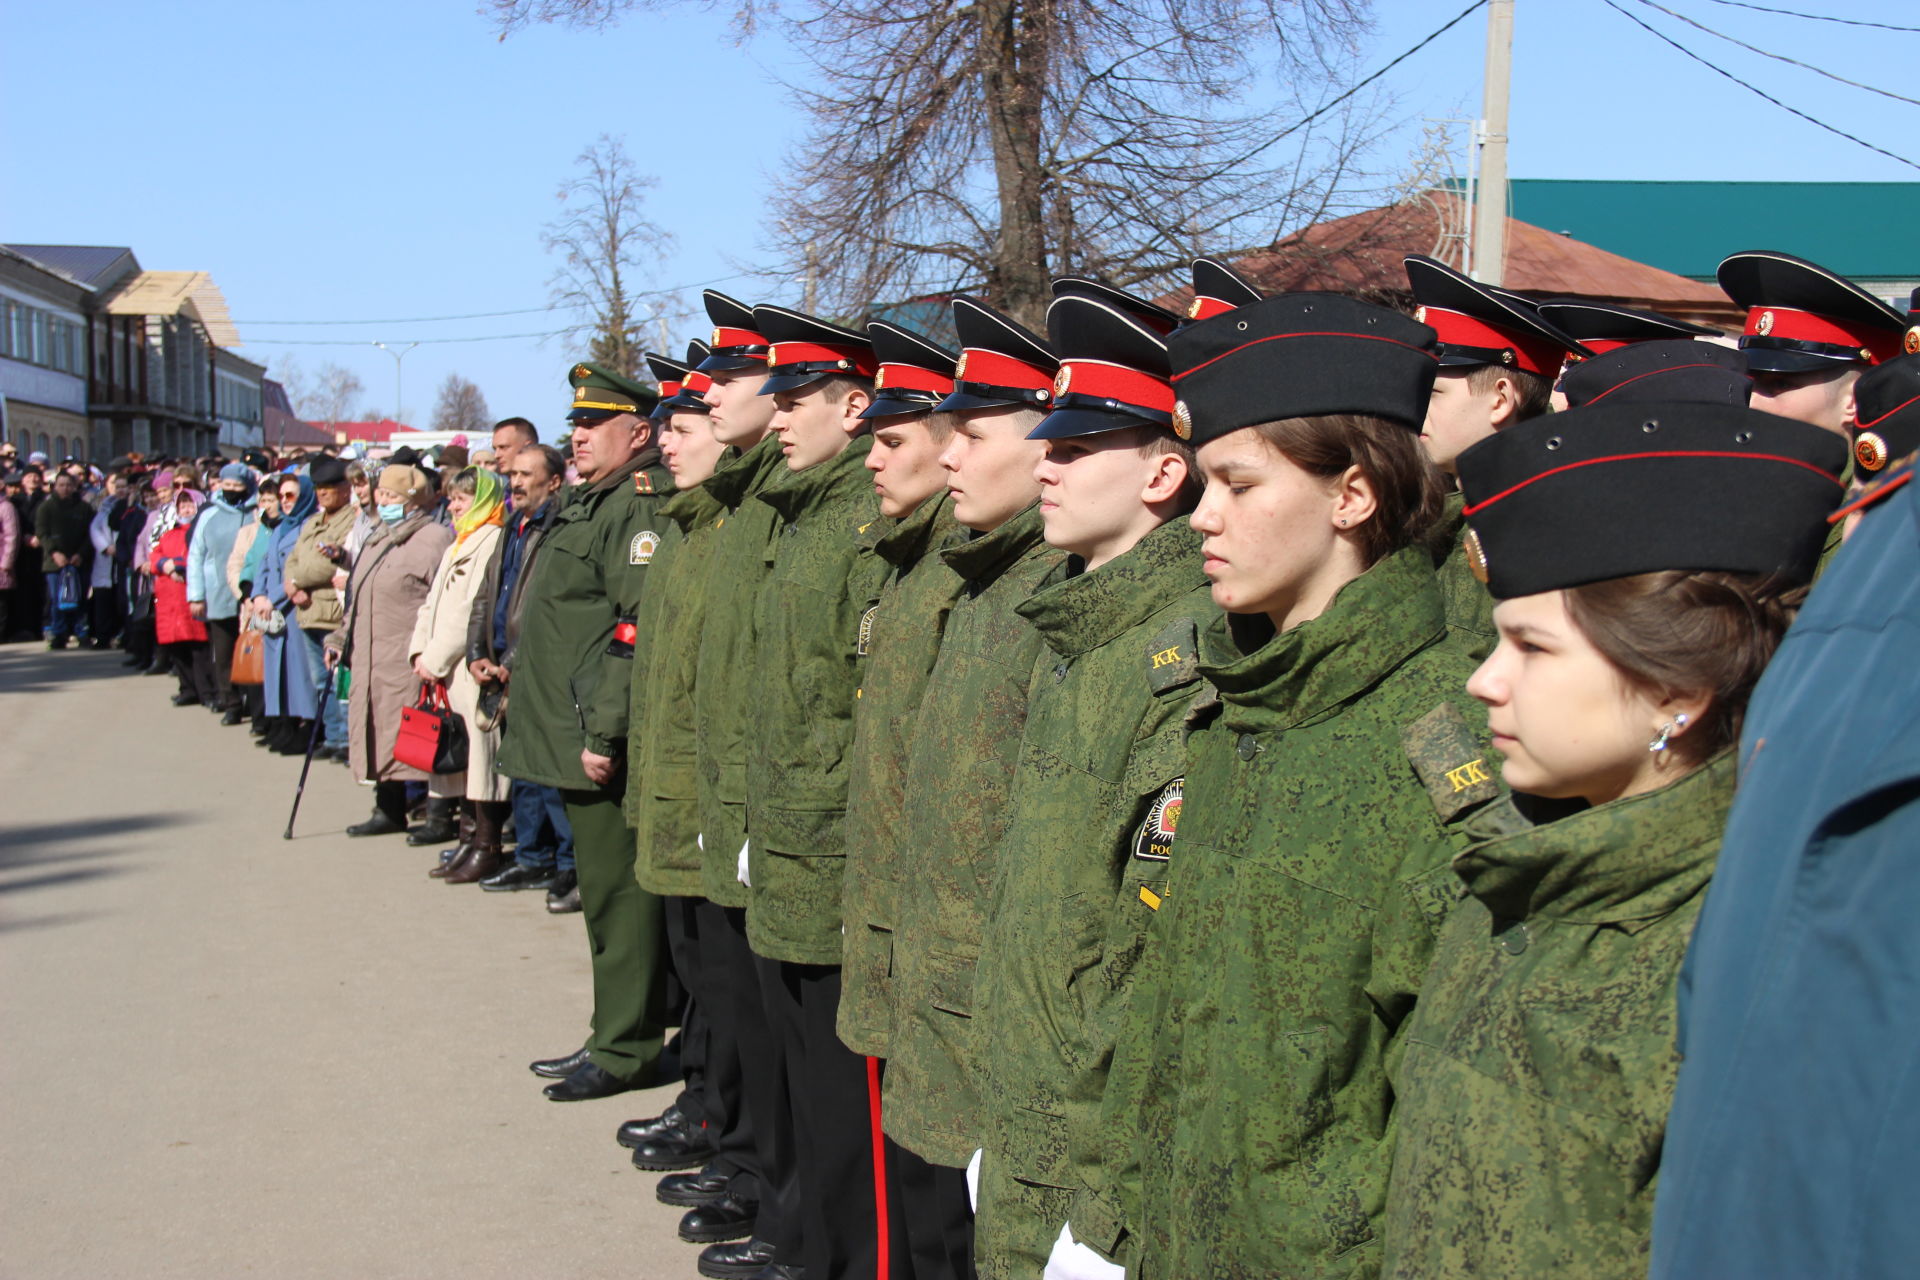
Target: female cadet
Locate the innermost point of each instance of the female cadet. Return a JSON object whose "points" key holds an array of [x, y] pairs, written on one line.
{"points": [[1634, 619], [1308, 873]]}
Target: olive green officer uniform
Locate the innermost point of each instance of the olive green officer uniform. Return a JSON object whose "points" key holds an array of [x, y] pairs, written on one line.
{"points": [[959, 773], [899, 639], [1249, 1101], [570, 692], [1532, 1099], [1096, 797]]}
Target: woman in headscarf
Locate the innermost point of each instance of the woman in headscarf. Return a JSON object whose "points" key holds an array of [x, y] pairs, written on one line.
{"points": [[208, 594], [290, 683], [181, 636], [477, 504], [390, 582], [243, 568]]}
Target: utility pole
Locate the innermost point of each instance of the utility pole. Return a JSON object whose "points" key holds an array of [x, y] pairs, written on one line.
{"points": [[810, 284], [398, 386], [1489, 244]]}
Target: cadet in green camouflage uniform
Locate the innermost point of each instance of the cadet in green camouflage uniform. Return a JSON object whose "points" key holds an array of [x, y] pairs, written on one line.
{"points": [[568, 726], [1097, 788], [1325, 783], [1532, 1098], [960, 767]]}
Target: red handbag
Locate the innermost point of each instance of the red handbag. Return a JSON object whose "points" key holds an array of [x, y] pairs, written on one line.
{"points": [[432, 738]]}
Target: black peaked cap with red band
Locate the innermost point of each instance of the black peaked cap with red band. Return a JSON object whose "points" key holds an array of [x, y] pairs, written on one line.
{"points": [[1218, 287], [1670, 370], [1299, 355], [1002, 362], [1803, 318], [1114, 371], [1887, 408], [691, 398], [1601, 327], [916, 373], [804, 349], [1151, 314], [669, 375], [737, 342], [1482, 325], [1608, 491]]}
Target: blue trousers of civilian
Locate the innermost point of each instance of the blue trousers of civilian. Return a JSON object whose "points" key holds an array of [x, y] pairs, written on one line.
{"points": [[61, 623], [333, 709], [540, 826]]}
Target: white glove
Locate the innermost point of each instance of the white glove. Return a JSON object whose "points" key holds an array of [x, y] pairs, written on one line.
{"points": [[973, 1182], [1071, 1260], [740, 864]]}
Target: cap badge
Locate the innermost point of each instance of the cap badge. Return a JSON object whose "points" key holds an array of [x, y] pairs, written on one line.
{"points": [[1182, 420], [715, 340], [1062, 381], [1870, 451], [1476, 555], [1912, 341], [1764, 325], [1506, 356], [960, 367], [1420, 315], [581, 371], [880, 378], [1193, 308]]}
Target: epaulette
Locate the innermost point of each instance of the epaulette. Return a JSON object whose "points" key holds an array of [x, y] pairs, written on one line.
{"points": [[1886, 485], [1173, 656], [1450, 761]]}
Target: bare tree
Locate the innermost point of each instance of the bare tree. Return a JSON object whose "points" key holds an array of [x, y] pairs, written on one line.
{"points": [[607, 248], [292, 375], [330, 397], [461, 407], [992, 144]]}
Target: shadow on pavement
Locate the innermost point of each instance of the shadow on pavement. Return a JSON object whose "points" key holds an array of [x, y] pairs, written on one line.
{"points": [[33, 668], [39, 843]]}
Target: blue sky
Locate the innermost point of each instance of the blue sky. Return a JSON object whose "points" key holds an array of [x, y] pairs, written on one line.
{"points": [[384, 159]]}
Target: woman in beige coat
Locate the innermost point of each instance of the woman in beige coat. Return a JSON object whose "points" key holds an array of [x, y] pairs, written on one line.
{"points": [[389, 584], [439, 650]]}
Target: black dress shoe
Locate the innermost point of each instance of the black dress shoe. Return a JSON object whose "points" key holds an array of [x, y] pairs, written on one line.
{"points": [[587, 1082], [518, 877], [381, 823], [741, 1261], [559, 1068], [727, 1219], [685, 1147], [233, 716], [186, 700], [690, 1190], [634, 1132]]}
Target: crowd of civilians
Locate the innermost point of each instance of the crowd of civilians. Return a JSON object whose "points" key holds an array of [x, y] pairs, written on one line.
{"points": [[371, 582]]}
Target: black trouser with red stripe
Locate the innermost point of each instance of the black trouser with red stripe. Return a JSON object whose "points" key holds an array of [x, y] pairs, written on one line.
{"points": [[933, 1215], [712, 1098]]}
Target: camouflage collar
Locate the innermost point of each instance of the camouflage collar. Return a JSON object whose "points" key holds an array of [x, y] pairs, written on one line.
{"points": [[1089, 609], [1376, 622], [929, 527], [989, 554], [688, 507], [1627, 863], [747, 474], [841, 478]]}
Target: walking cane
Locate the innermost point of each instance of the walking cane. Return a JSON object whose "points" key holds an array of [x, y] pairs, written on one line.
{"points": [[313, 744]]}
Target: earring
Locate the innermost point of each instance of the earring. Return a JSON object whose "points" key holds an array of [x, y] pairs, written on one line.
{"points": [[1667, 731], [1343, 522]]}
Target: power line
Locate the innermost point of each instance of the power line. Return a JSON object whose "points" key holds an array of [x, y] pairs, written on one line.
{"points": [[1778, 57], [1817, 17], [1666, 39]]}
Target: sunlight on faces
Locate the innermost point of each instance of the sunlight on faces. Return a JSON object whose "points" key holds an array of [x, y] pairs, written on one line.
{"points": [[813, 428], [531, 483], [603, 447], [269, 501], [1458, 417], [905, 461], [740, 414], [1823, 398], [459, 502], [989, 463], [1095, 491], [1567, 722], [332, 497], [1271, 541], [691, 450], [289, 495]]}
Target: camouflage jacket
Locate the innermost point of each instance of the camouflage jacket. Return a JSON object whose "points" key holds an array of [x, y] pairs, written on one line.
{"points": [[1096, 796], [574, 665], [1469, 605], [663, 801], [1539, 1067], [899, 638], [1309, 883], [723, 693], [806, 631], [959, 770]]}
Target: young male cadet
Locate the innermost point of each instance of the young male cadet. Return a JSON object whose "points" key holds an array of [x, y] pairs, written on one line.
{"points": [[959, 770], [569, 723], [806, 621], [725, 703], [1601, 328], [1498, 363], [1097, 785]]}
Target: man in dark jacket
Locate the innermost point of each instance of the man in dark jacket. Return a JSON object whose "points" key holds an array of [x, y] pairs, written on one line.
{"points": [[61, 527]]}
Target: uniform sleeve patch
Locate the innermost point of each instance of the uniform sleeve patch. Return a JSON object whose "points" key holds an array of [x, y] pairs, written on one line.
{"points": [[1451, 762], [1154, 842], [1173, 657], [864, 643], [644, 544]]}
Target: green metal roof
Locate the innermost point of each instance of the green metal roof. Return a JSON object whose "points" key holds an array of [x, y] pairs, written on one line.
{"points": [[1865, 230]]}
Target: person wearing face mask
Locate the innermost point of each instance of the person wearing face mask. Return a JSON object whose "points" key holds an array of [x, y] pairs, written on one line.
{"points": [[208, 597], [243, 566], [1634, 620], [390, 583], [1331, 769]]}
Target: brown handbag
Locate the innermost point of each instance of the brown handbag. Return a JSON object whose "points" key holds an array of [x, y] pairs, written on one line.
{"points": [[249, 658]]}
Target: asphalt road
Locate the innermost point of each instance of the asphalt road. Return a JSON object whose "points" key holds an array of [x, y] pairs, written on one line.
{"points": [[229, 1054]]}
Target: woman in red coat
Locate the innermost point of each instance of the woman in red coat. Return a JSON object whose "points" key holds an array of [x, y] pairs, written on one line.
{"points": [[181, 636]]}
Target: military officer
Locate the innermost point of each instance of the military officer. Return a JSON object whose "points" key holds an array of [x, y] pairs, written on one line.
{"points": [[959, 770], [1096, 787], [569, 723]]}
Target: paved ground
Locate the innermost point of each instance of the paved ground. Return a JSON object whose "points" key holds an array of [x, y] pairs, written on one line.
{"points": [[227, 1054]]}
